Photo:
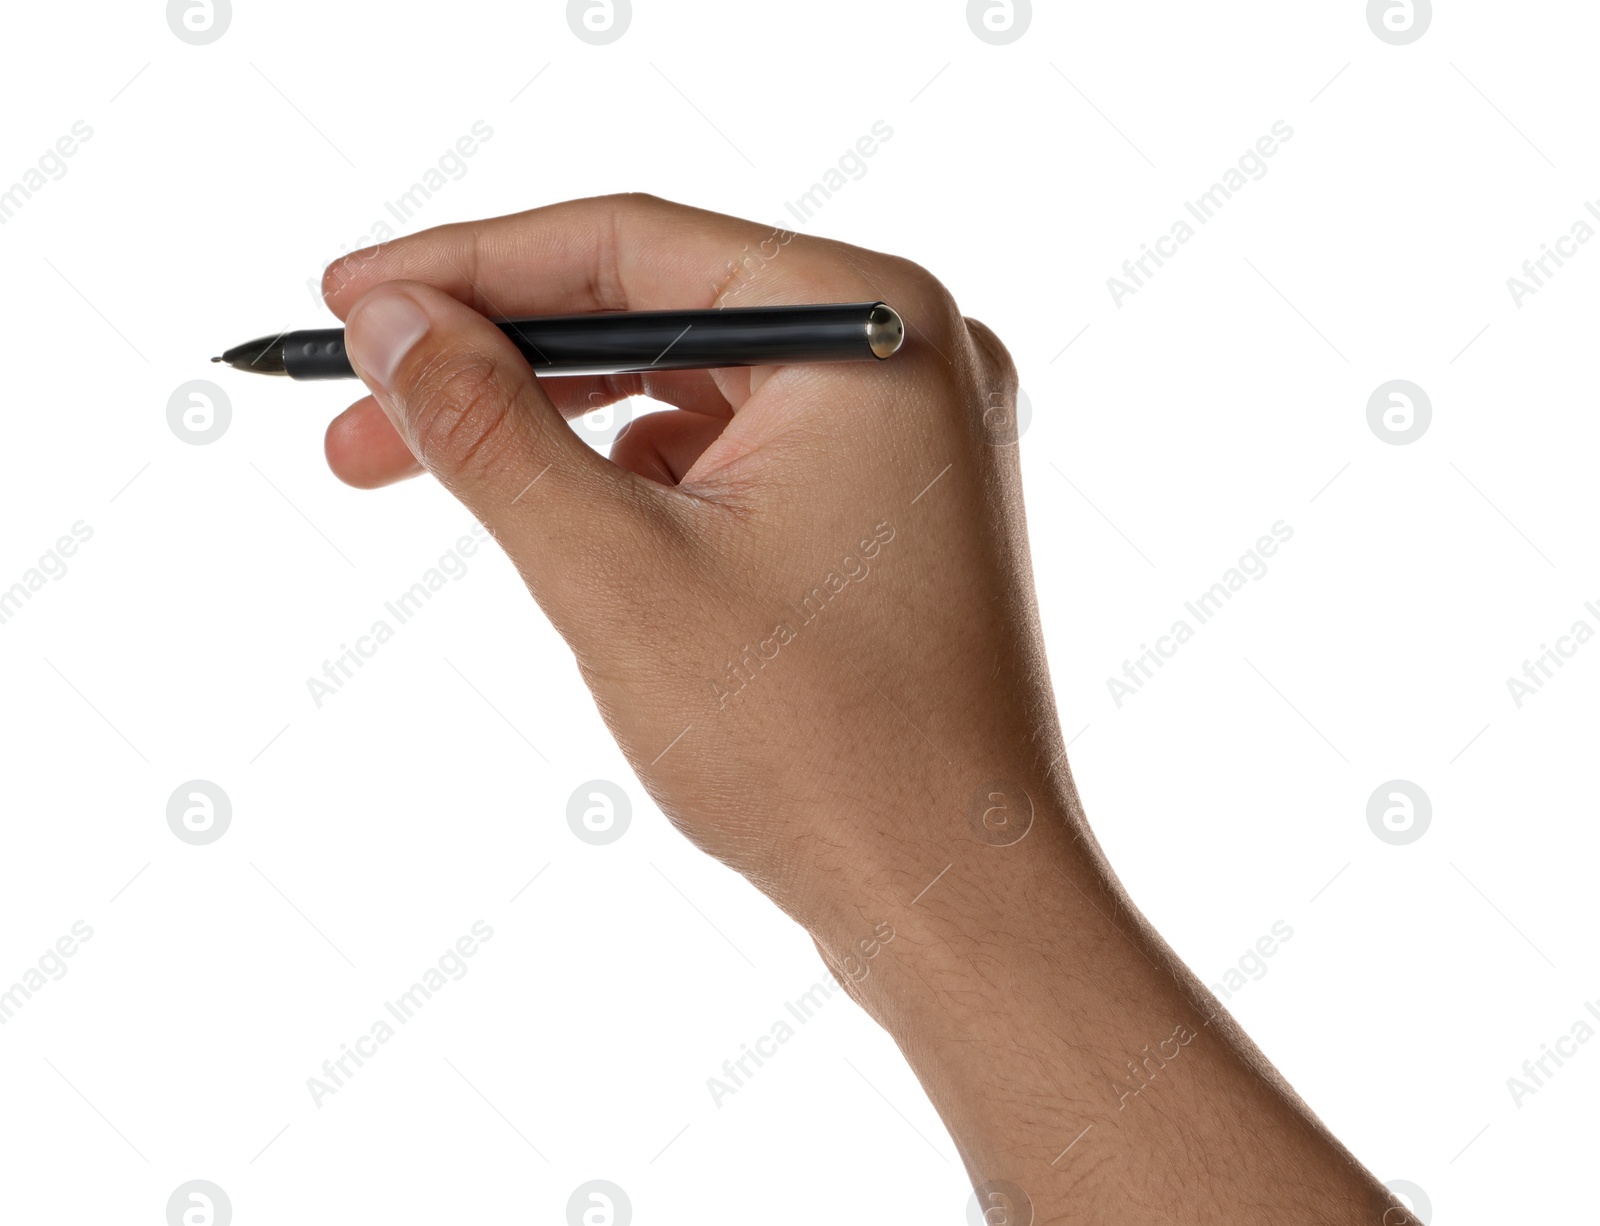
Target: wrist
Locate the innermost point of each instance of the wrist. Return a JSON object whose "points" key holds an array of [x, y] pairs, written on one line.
{"points": [[934, 934], [949, 877]]}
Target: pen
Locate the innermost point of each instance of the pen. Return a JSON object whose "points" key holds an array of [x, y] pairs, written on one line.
{"points": [[621, 342]]}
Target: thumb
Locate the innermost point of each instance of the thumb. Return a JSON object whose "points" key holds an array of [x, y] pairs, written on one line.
{"points": [[467, 404]]}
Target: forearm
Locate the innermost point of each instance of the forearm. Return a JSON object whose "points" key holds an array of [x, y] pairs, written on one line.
{"points": [[1072, 1055]]}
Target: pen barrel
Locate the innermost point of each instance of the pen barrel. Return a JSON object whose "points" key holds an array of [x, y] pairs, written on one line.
{"points": [[681, 340], [623, 342]]}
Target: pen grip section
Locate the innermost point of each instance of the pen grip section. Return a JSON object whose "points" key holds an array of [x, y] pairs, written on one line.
{"points": [[317, 354]]}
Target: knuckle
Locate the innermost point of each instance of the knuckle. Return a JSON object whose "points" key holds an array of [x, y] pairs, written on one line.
{"points": [[995, 373], [1000, 369], [925, 301], [462, 412], [926, 289]]}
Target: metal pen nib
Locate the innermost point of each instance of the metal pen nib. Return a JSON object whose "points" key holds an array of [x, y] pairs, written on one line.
{"points": [[264, 356]]}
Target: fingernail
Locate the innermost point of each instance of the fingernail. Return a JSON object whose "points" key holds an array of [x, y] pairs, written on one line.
{"points": [[381, 331]]}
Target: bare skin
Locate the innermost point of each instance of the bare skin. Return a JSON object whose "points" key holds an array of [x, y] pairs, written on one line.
{"points": [[804, 604]]}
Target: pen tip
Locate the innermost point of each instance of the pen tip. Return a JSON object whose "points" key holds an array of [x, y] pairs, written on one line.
{"points": [[262, 357]]}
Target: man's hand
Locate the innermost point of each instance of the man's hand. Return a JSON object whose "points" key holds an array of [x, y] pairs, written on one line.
{"points": [[803, 601]]}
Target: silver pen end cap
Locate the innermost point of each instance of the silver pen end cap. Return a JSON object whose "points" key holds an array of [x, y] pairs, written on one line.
{"points": [[885, 331]]}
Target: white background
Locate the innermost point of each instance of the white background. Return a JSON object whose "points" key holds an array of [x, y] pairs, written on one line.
{"points": [[1227, 394]]}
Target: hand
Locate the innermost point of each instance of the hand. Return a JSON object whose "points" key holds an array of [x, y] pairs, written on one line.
{"points": [[803, 602]]}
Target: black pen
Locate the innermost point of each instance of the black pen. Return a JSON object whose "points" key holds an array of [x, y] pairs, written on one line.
{"points": [[624, 342]]}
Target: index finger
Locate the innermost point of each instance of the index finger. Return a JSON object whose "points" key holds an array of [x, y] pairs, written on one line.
{"points": [[630, 252]]}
